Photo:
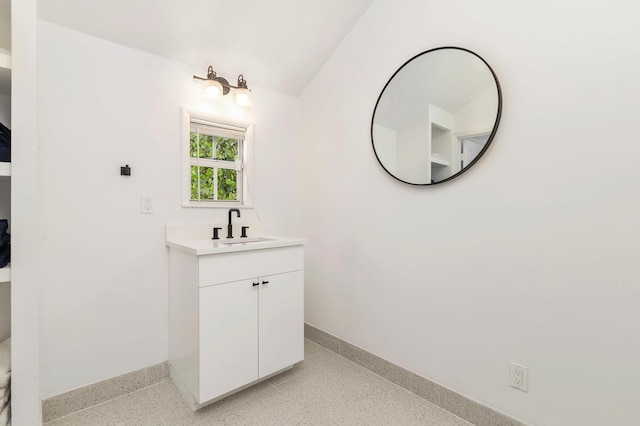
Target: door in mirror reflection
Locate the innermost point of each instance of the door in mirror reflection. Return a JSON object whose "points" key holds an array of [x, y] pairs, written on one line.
{"points": [[471, 146], [436, 116]]}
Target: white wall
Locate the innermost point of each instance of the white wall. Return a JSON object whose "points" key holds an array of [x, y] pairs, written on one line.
{"points": [[479, 115], [386, 146], [103, 265], [412, 149], [546, 274]]}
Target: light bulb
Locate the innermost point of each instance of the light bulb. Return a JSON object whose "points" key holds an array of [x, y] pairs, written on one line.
{"points": [[211, 88], [243, 97]]}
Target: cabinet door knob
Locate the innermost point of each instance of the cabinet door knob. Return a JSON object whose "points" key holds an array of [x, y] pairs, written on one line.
{"points": [[265, 282], [255, 284]]}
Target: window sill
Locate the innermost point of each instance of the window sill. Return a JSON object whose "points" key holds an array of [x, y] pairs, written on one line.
{"points": [[218, 205]]}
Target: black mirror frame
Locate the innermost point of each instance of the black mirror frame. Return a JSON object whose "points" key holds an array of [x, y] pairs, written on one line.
{"points": [[491, 136]]}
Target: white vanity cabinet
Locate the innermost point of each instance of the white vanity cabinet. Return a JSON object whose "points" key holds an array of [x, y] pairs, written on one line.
{"points": [[235, 319]]}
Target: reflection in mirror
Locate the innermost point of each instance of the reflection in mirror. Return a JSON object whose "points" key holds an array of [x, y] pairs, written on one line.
{"points": [[436, 116]]}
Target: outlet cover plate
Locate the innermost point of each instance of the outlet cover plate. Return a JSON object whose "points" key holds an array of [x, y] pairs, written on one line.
{"points": [[519, 377], [146, 204]]}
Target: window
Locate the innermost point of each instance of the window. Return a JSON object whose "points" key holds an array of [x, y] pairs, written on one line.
{"points": [[215, 160]]}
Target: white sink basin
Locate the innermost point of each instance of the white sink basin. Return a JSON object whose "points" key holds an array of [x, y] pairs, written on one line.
{"points": [[242, 240]]}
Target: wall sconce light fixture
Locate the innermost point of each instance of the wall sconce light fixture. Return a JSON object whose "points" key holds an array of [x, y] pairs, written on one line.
{"points": [[214, 86]]}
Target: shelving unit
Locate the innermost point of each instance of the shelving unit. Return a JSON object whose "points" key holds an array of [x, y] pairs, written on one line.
{"points": [[441, 143], [439, 162], [5, 193], [18, 111]]}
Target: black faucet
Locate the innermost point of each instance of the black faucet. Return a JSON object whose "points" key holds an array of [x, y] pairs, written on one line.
{"points": [[229, 226]]}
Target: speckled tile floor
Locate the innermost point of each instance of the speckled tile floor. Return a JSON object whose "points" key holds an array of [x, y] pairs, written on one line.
{"points": [[324, 389]]}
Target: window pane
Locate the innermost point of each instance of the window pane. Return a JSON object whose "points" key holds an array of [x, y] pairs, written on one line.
{"points": [[200, 145], [202, 185], [226, 149], [207, 188], [206, 146], [194, 182], [193, 145], [227, 186]]}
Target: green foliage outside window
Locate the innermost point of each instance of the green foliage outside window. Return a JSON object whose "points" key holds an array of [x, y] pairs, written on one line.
{"points": [[227, 189], [213, 148]]}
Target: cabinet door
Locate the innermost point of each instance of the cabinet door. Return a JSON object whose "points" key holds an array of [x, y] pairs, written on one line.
{"points": [[281, 324], [228, 337]]}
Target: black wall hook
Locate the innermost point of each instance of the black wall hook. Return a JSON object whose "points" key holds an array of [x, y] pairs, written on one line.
{"points": [[125, 171]]}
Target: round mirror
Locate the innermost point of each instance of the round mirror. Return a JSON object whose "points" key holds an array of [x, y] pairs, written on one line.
{"points": [[436, 116]]}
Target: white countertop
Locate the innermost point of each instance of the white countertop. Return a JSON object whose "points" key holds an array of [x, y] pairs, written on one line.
{"points": [[203, 246]]}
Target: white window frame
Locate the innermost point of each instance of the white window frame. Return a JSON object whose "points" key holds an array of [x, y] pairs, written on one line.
{"points": [[245, 166]]}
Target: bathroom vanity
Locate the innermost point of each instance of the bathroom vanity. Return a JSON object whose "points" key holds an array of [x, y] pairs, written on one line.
{"points": [[236, 312]]}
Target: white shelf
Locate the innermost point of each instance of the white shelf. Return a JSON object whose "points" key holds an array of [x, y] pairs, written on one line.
{"points": [[5, 274], [5, 72], [5, 170], [438, 162], [5, 58]]}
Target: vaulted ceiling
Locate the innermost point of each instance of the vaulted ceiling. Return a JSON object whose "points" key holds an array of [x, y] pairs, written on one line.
{"points": [[276, 44]]}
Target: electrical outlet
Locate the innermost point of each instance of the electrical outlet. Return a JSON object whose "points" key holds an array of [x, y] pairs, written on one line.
{"points": [[519, 377], [146, 204]]}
